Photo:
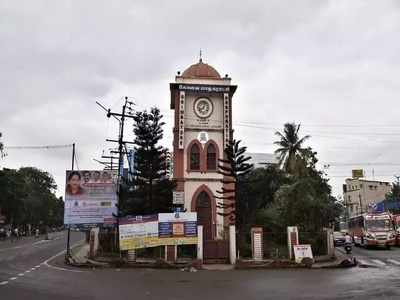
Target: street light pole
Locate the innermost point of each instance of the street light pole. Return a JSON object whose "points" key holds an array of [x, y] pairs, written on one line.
{"points": [[69, 225]]}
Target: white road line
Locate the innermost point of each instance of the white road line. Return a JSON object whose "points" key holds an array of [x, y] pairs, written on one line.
{"points": [[13, 278], [11, 248], [33, 269], [46, 262], [393, 261], [3, 282], [40, 242], [362, 262], [378, 262], [38, 266], [21, 274], [27, 271]]}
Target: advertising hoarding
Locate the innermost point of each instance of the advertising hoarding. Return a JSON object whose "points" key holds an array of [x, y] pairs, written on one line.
{"points": [[157, 230], [90, 198]]}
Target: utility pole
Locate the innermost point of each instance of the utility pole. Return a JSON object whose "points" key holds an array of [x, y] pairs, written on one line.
{"points": [[127, 112], [69, 225]]}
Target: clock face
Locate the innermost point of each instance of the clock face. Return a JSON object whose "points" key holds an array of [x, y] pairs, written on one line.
{"points": [[203, 107]]}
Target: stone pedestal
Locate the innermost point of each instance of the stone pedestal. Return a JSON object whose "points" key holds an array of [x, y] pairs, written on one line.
{"points": [[293, 239], [200, 242], [232, 244], [257, 243]]}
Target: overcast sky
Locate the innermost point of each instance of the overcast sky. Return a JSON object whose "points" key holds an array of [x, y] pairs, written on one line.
{"points": [[333, 66]]}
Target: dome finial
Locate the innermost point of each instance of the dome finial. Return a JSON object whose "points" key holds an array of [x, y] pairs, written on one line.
{"points": [[200, 58]]}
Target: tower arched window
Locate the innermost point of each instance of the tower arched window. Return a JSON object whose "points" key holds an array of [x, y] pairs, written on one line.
{"points": [[211, 157], [195, 157]]}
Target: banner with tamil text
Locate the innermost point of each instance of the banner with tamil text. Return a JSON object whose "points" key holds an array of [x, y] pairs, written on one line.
{"points": [[156, 230]]}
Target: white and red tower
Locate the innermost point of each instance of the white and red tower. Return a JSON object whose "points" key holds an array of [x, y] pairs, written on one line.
{"points": [[202, 103]]}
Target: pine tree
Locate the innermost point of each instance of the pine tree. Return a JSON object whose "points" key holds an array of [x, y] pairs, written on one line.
{"points": [[152, 191], [233, 167]]}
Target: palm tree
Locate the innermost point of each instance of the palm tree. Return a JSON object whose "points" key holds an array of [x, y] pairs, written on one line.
{"points": [[290, 147]]}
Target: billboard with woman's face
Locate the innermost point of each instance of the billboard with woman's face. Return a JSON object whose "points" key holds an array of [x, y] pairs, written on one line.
{"points": [[90, 197]]}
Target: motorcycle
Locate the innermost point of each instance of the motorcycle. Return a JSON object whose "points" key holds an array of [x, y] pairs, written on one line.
{"points": [[347, 248]]}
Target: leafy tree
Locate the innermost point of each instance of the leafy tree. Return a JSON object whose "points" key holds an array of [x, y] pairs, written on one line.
{"points": [[12, 191], [27, 197], [151, 191], [39, 198], [290, 147], [394, 193], [306, 201], [392, 198], [233, 167], [255, 193]]}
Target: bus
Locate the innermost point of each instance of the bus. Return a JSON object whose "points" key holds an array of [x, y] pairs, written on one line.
{"points": [[396, 222], [373, 229]]}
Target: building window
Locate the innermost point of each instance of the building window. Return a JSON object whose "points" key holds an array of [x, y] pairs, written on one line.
{"points": [[195, 157], [211, 157]]}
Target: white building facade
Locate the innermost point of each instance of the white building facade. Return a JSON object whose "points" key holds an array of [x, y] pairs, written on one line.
{"points": [[358, 194]]}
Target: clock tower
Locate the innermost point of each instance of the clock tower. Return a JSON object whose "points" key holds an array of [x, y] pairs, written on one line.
{"points": [[202, 104]]}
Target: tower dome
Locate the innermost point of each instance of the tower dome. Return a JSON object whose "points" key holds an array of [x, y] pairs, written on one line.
{"points": [[201, 70]]}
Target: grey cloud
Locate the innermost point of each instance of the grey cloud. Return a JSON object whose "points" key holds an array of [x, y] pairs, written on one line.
{"points": [[314, 62]]}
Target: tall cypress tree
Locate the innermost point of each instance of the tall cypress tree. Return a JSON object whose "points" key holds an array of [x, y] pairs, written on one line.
{"points": [[152, 189], [233, 167]]}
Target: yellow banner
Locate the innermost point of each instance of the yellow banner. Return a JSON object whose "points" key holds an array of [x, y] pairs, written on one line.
{"points": [[146, 242]]}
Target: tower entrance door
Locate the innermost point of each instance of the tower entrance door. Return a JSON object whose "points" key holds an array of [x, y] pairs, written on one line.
{"points": [[214, 250]]}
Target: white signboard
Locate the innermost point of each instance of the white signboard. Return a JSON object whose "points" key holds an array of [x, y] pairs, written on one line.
{"points": [[90, 197], [302, 251], [178, 198]]}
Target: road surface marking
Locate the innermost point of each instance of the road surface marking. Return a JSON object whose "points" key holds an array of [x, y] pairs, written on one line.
{"points": [[40, 242], [13, 278], [38, 266], [3, 282], [27, 271], [46, 262], [378, 262], [33, 269], [362, 262], [392, 261], [11, 248], [21, 274]]}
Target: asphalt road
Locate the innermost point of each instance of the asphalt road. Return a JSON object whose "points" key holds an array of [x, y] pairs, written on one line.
{"points": [[49, 279]]}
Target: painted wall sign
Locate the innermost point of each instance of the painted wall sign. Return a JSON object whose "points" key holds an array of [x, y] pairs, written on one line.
{"points": [[204, 88]]}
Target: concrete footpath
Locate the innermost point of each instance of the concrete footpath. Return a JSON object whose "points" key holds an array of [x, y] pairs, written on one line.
{"points": [[79, 258]]}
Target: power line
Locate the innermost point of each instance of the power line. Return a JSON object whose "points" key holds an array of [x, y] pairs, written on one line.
{"points": [[39, 147], [337, 164]]}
